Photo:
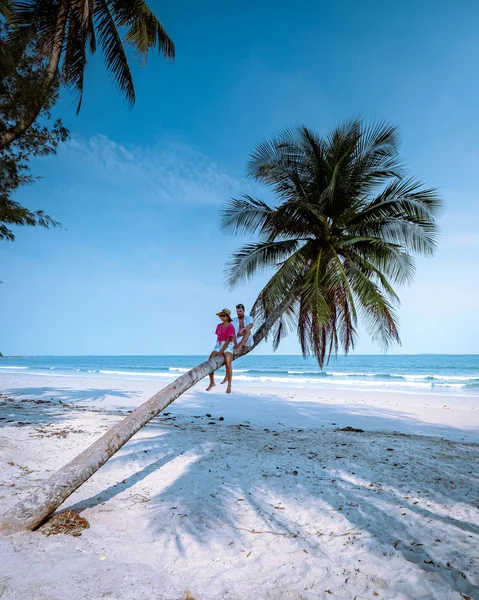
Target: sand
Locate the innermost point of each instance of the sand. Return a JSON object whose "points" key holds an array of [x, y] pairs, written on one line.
{"points": [[271, 501]]}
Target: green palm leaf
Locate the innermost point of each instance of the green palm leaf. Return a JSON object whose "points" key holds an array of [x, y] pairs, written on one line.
{"points": [[249, 259], [112, 47], [244, 215]]}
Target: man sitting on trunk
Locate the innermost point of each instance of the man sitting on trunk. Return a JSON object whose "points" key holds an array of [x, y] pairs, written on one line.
{"points": [[243, 325]]}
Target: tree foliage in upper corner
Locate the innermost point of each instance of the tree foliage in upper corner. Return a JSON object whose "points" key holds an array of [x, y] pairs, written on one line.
{"points": [[66, 32], [18, 91]]}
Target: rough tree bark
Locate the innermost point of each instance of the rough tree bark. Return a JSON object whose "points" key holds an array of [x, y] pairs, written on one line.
{"points": [[33, 510]]}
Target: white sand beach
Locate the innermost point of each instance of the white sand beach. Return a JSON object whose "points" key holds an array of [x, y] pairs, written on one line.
{"points": [[254, 496]]}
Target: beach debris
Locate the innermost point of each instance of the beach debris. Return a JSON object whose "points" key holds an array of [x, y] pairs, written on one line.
{"points": [[278, 533], [188, 595], [68, 522], [138, 497], [349, 428], [103, 557]]}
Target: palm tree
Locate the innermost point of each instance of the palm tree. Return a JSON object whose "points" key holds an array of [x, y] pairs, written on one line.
{"points": [[343, 233], [65, 31], [345, 228]]}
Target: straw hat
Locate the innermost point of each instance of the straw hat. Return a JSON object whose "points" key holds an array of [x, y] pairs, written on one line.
{"points": [[224, 311]]}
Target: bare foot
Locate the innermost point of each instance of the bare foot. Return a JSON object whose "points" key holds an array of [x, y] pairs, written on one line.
{"points": [[228, 390], [212, 385], [224, 381]]}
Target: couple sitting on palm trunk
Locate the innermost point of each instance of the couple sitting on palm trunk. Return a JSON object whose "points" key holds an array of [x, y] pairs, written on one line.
{"points": [[232, 335]]}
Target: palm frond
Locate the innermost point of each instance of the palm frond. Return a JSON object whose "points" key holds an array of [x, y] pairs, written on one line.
{"points": [[75, 59], [391, 259], [31, 21], [112, 47], [403, 198], [285, 282], [244, 215], [144, 30], [378, 312], [285, 324], [253, 258]]}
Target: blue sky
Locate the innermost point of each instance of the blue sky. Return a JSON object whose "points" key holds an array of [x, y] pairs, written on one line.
{"points": [[138, 268]]}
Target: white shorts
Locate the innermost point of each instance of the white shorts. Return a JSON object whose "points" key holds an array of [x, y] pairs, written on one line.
{"points": [[219, 345]]}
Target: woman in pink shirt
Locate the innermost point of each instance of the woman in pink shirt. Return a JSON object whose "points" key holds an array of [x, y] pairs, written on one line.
{"points": [[225, 336]]}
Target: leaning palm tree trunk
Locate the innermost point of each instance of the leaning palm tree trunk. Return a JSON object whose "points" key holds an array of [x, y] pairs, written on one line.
{"points": [[41, 503]]}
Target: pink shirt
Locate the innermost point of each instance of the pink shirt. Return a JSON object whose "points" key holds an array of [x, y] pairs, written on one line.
{"points": [[223, 334]]}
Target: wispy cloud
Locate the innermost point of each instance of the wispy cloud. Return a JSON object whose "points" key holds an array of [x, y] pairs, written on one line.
{"points": [[170, 173]]}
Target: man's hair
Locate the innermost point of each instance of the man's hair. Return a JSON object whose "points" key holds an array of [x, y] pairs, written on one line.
{"points": [[240, 306]]}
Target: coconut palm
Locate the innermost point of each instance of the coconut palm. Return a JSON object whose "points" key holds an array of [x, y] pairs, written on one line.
{"points": [[343, 232], [66, 31]]}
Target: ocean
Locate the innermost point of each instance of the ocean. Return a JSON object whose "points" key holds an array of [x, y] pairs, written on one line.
{"points": [[415, 374]]}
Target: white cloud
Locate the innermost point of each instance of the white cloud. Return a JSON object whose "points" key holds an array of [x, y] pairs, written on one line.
{"points": [[172, 172]]}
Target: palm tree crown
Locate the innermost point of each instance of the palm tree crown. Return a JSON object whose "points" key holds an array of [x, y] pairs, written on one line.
{"points": [[344, 231]]}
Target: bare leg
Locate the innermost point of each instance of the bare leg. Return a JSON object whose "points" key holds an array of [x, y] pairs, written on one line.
{"points": [[229, 370], [212, 375], [244, 339]]}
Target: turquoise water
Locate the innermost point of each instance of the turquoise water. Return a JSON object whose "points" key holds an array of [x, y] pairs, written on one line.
{"points": [[431, 374]]}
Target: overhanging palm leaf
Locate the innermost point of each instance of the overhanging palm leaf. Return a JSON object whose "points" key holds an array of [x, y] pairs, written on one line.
{"points": [[346, 228], [64, 31], [113, 51]]}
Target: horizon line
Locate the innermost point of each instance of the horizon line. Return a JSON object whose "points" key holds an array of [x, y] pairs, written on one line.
{"points": [[202, 355]]}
